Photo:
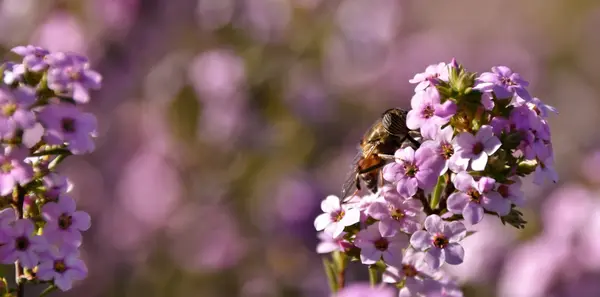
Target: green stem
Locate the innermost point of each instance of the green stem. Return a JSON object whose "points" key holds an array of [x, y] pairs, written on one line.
{"points": [[19, 201], [327, 265], [437, 192], [373, 275], [48, 291], [339, 261]]}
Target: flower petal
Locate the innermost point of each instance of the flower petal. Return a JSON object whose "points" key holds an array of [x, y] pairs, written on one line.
{"points": [[455, 231], [434, 224], [434, 257], [421, 240], [493, 201], [473, 213], [479, 161], [322, 221], [330, 204], [457, 202], [454, 254]]}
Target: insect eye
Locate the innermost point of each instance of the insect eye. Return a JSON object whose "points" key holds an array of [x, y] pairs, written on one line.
{"points": [[393, 121]]}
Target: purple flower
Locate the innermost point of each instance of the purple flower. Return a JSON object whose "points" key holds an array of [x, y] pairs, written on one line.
{"points": [[365, 290], [374, 246], [522, 117], [477, 148], [545, 170], [540, 108], [413, 170], [62, 266], [428, 113], [70, 75], [65, 123], [512, 191], [15, 110], [63, 223], [503, 82], [397, 215], [56, 184], [13, 72], [7, 217], [474, 196], [431, 77], [34, 58], [21, 244], [445, 146], [440, 241], [330, 244], [415, 273], [336, 217], [13, 169]]}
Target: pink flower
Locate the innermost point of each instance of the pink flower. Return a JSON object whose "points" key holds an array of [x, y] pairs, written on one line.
{"points": [[62, 266], [374, 246], [440, 241], [428, 113], [336, 217], [21, 244], [63, 223], [477, 148], [431, 77]]}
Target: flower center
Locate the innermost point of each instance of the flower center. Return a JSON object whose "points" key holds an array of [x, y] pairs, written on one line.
{"points": [[73, 74], [68, 125], [410, 170], [6, 166], [447, 151], [507, 81], [409, 270], [9, 109], [478, 148], [65, 221], [397, 214], [474, 194], [428, 111], [22, 243], [440, 241], [381, 244], [60, 266]]}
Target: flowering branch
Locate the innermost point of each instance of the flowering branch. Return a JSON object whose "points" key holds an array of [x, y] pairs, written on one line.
{"points": [[479, 135], [41, 229]]}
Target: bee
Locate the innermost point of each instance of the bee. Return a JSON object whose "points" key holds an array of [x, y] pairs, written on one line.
{"points": [[388, 134]]}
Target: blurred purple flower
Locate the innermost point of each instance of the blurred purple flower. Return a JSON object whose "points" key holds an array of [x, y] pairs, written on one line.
{"points": [[477, 148], [13, 169], [414, 272], [33, 57], [413, 170], [397, 215], [428, 113], [445, 146], [431, 77], [66, 123], [21, 244], [7, 217], [503, 82], [15, 114], [542, 109], [56, 184], [64, 223], [13, 72], [440, 241], [330, 244], [62, 266], [374, 246], [365, 290], [474, 196], [70, 75], [545, 170], [531, 269], [336, 217], [590, 165], [61, 31]]}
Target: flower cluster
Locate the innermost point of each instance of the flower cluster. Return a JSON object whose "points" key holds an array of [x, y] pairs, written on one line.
{"points": [[479, 135], [40, 125]]}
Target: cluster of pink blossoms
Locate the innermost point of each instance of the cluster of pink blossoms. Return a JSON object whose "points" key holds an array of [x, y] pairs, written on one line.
{"points": [[40, 125], [480, 134]]}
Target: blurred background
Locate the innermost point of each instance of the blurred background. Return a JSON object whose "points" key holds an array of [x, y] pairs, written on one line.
{"points": [[225, 122]]}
